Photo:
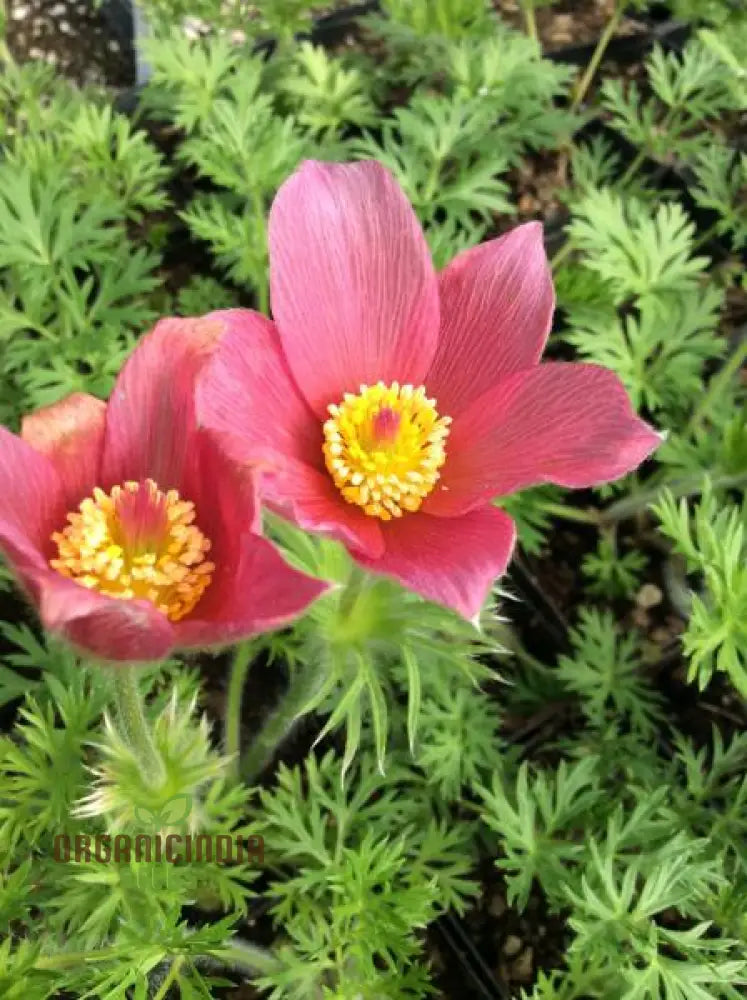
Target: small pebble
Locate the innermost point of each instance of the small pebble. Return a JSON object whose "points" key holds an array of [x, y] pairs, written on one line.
{"points": [[648, 596], [640, 617], [661, 635], [512, 945], [523, 968], [194, 27]]}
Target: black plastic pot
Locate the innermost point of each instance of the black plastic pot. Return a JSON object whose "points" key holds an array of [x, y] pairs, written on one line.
{"points": [[118, 15], [626, 49], [328, 30]]}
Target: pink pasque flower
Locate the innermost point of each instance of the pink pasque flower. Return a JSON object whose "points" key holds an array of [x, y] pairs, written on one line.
{"points": [[394, 404], [128, 527]]}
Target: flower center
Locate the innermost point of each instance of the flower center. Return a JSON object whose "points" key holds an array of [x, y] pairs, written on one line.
{"points": [[384, 447], [137, 542]]}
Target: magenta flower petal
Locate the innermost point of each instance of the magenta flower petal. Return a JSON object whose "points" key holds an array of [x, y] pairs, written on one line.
{"points": [[179, 501], [570, 424], [247, 396], [353, 289], [150, 419], [252, 587], [247, 399], [30, 502], [120, 631], [31, 509], [450, 562], [497, 302], [71, 435], [310, 499], [265, 594]]}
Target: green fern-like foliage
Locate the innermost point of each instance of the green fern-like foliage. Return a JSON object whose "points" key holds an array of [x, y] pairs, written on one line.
{"points": [[74, 290], [712, 541], [356, 895], [648, 319], [422, 750]]}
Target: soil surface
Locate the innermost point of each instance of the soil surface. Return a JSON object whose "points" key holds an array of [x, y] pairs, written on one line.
{"points": [[574, 22], [73, 36]]}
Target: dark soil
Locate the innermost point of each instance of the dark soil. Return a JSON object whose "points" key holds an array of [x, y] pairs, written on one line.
{"points": [[72, 36], [574, 22], [495, 952]]}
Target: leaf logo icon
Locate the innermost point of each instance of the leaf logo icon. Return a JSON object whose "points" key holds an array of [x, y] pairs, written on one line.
{"points": [[171, 814]]}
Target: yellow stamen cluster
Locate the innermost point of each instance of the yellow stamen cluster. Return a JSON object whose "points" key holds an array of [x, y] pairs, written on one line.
{"points": [[155, 553], [384, 447]]}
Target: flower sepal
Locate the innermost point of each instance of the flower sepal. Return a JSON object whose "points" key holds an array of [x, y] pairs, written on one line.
{"points": [[124, 795], [363, 646]]}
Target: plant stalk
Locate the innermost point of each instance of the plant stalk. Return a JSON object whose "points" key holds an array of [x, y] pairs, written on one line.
{"points": [[561, 255], [353, 589], [530, 20], [304, 684], [247, 957], [604, 40], [569, 513], [717, 384], [643, 152], [237, 954], [242, 659], [133, 725], [629, 506], [172, 977]]}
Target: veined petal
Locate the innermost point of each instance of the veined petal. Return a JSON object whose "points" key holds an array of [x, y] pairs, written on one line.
{"points": [[266, 594], [353, 289], [310, 499], [224, 513], [104, 627], [246, 395], [452, 562], [71, 435], [497, 302], [569, 424], [252, 587], [236, 604], [150, 421], [31, 504]]}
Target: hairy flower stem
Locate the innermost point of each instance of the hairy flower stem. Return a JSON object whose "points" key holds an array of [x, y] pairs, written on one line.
{"points": [[643, 152], [133, 726], [604, 40], [304, 684], [530, 20], [236, 955], [561, 254], [631, 505], [242, 659], [245, 957], [716, 386], [353, 589], [568, 513], [171, 978], [691, 486]]}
